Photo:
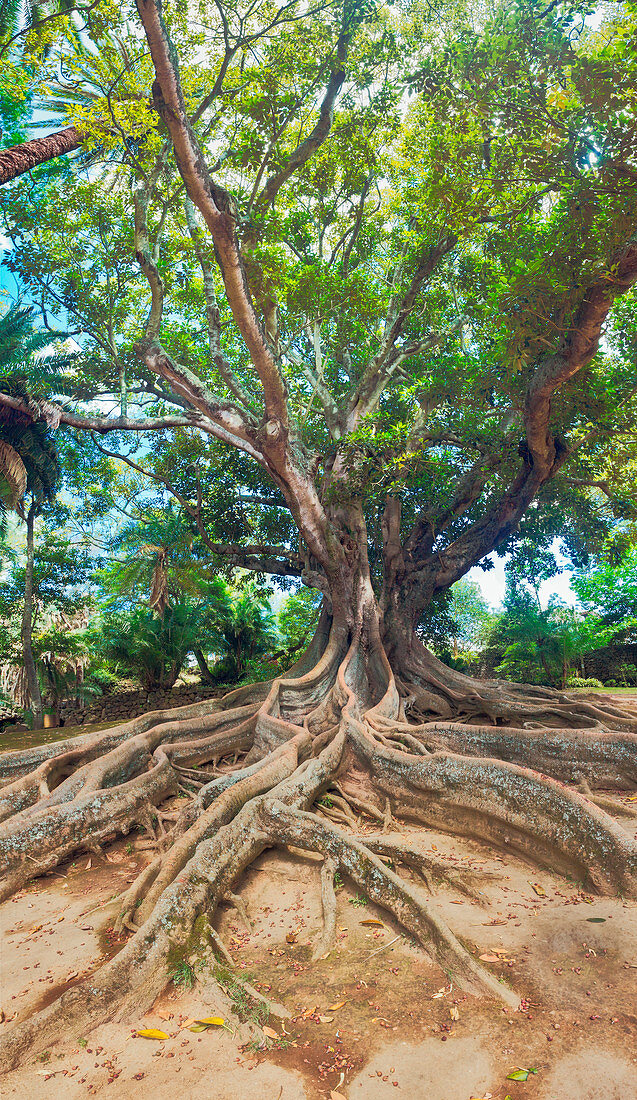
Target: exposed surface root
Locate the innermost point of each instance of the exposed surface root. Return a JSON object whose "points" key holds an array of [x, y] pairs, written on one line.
{"points": [[384, 887], [432, 869], [332, 735], [328, 901]]}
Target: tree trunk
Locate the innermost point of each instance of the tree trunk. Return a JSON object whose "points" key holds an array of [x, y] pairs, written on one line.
{"points": [[27, 627], [204, 669], [18, 159]]}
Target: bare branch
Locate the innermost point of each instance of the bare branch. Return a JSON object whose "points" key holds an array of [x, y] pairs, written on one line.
{"points": [[100, 424], [315, 139], [364, 396]]}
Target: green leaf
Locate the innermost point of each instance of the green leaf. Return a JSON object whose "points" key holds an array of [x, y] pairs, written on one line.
{"points": [[520, 1074]]}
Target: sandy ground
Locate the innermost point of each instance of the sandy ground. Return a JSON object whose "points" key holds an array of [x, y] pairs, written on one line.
{"points": [[374, 1020]]}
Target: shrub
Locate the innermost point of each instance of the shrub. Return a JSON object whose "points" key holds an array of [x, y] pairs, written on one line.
{"points": [[583, 682]]}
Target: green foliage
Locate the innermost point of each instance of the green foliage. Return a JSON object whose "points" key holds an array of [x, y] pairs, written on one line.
{"points": [[297, 619], [608, 594], [535, 644], [583, 682], [31, 463], [183, 975], [243, 632], [152, 649]]}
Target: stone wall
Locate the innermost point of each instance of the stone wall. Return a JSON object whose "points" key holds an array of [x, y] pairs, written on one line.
{"points": [[130, 704]]}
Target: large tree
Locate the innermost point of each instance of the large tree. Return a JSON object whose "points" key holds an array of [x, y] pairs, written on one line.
{"points": [[392, 308]]}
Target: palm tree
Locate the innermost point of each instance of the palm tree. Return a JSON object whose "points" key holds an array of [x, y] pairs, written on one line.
{"points": [[244, 631], [98, 83]]}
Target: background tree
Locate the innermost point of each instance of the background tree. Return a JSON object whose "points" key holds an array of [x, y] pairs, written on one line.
{"points": [[28, 462]]}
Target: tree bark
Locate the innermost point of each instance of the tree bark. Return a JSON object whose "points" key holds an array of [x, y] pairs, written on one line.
{"points": [[27, 627], [18, 159]]}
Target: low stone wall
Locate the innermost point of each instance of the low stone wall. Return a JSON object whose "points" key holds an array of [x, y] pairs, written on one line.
{"points": [[130, 704]]}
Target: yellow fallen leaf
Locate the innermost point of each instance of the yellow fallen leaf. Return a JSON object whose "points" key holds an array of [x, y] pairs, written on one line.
{"points": [[539, 890], [152, 1033], [372, 920], [212, 1021], [270, 1032], [334, 1008]]}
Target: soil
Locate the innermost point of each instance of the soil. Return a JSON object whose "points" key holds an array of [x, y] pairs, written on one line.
{"points": [[375, 1019]]}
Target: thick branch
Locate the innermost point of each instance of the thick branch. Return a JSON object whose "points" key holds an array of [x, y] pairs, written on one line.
{"points": [[315, 139], [216, 207], [577, 349], [56, 414], [543, 453], [212, 314]]}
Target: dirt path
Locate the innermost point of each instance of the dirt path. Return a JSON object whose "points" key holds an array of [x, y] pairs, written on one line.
{"points": [[375, 1019]]}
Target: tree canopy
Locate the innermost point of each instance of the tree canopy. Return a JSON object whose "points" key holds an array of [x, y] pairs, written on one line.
{"points": [[415, 224]]}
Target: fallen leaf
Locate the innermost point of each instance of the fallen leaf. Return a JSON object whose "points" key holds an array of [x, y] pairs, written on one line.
{"points": [[270, 1032], [334, 1008], [164, 1015], [372, 920], [596, 920], [490, 958], [152, 1033], [89, 865], [453, 1012], [291, 937], [197, 1028], [212, 1021], [520, 1074], [539, 890], [310, 1012], [326, 1019], [189, 1022], [336, 1095]]}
